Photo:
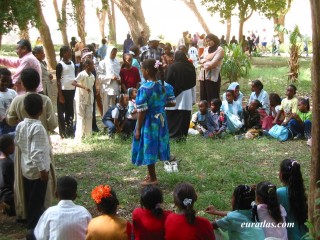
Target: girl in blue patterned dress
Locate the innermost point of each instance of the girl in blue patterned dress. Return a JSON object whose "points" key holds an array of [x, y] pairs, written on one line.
{"points": [[151, 136]]}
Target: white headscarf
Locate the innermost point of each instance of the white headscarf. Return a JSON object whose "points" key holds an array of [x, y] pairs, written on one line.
{"points": [[113, 65]]}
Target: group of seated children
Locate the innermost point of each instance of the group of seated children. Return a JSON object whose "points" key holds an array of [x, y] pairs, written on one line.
{"points": [[262, 112], [258, 212]]}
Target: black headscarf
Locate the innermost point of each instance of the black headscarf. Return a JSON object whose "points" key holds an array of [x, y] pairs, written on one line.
{"points": [[216, 41], [181, 74]]}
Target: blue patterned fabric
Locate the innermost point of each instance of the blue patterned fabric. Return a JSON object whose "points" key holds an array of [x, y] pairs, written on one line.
{"points": [[154, 138]]}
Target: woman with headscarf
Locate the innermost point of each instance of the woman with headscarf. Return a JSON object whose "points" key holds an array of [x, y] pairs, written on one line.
{"points": [[211, 61], [109, 78], [238, 96], [182, 76]]}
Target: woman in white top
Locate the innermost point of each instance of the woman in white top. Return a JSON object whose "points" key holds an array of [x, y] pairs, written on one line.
{"points": [[211, 61], [65, 72], [109, 78]]}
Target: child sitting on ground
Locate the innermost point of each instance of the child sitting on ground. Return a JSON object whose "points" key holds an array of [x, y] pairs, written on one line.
{"points": [[84, 100], [132, 107], [115, 118], [251, 115], [275, 105], [232, 110], [301, 121], [199, 119], [289, 105], [216, 121], [240, 216], [293, 198], [7, 175], [185, 224], [108, 225], [148, 221], [65, 220], [270, 211], [6, 97]]}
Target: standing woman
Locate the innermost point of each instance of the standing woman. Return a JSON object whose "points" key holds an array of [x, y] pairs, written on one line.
{"points": [[211, 61], [65, 72], [109, 78], [182, 76]]}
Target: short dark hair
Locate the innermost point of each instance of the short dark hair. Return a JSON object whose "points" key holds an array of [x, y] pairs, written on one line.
{"points": [[67, 188], [104, 41], [33, 104], [87, 62], [30, 79], [243, 197], [25, 43], [216, 102], [258, 84], [230, 91], [6, 141], [294, 87], [37, 49], [151, 197]]}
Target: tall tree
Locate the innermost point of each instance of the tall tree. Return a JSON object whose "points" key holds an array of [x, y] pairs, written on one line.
{"points": [[245, 9], [132, 11], [314, 193], [101, 15], [112, 22], [193, 7], [62, 19], [79, 16], [280, 17], [45, 36], [228, 29]]}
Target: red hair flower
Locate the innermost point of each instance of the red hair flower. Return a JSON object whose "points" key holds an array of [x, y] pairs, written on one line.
{"points": [[101, 192]]}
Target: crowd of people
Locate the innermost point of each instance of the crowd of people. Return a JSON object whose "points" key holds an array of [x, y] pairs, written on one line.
{"points": [[149, 97]]}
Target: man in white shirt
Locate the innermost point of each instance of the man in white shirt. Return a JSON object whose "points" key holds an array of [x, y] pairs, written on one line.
{"points": [[65, 221]]}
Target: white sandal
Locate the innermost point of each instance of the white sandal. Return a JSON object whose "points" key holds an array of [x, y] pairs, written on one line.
{"points": [[168, 167]]}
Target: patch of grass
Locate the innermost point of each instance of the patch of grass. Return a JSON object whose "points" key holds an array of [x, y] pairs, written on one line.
{"points": [[214, 167]]}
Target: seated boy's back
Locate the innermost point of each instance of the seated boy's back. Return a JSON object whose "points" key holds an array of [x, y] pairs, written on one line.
{"points": [[66, 220]]}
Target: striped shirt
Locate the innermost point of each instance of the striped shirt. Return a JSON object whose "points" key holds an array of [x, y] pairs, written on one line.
{"points": [[32, 139]]}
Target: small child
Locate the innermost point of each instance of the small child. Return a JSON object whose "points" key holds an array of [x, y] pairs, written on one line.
{"points": [[289, 105], [193, 54], [65, 220], [231, 108], [84, 100], [132, 107], [270, 211], [148, 221], [301, 121], [293, 198], [108, 225], [6, 97], [275, 105], [216, 122], [185, 224], [251, 115], [241, 215], [199, 119], [115, 118], [168, 57], [33, 142], [7, 174]]}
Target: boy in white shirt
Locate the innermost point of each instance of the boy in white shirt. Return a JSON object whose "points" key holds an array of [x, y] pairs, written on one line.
{"points": [[66, 220], [33, 142], [84, 100], [193, 55]]}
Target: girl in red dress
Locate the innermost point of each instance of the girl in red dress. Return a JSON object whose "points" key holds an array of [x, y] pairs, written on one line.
{"points": [[185, 225], [148, 221]]}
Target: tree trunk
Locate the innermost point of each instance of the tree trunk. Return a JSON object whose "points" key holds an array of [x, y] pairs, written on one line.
{"points": [[112, 22], [193, 7], [80, 19], [241, 23], [24, 32], [46, 38], [228, 30], [281, 21], [133, 13], [0, 40], [62, 20], [101, 15], [314, 194]]}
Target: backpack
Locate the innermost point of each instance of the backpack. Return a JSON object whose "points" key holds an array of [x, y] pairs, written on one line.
{"points": [[281, 133]]}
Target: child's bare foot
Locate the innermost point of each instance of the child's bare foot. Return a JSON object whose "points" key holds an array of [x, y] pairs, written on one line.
{"points": [[149, 182]]}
